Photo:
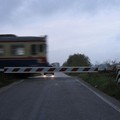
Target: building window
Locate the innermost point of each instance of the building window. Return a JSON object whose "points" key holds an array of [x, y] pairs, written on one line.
{"points": [[33, 49], [42, 48], [2, 50], [17, 50]]}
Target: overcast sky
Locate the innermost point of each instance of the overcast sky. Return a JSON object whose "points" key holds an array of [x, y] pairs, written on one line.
{"points": [[90, 27]]}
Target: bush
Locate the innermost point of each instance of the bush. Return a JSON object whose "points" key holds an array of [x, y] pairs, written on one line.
{"points": [[5, 79]]}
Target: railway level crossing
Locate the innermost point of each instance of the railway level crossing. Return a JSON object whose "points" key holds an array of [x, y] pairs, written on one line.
{"points": [[88, 69]]}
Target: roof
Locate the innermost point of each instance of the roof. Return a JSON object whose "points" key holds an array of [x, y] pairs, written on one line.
{"points": [[14, 38]]}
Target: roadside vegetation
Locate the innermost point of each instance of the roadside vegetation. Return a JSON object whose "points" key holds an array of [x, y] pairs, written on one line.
{"points": [[104, 81], [5, 80]]}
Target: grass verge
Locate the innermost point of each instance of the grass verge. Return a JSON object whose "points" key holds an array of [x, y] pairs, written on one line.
{"points": [[104, 82], [6, 79]]}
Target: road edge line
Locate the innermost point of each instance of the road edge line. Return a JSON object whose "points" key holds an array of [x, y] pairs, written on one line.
{"points": [[5, 88], [101, 97]]}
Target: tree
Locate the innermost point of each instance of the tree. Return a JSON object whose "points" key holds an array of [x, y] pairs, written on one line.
{"points": [[77, 60]]}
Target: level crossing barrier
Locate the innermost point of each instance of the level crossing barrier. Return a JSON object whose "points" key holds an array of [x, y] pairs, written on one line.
{"points": [[88, 69], [49, 69], [79, 69], [118, 74]]}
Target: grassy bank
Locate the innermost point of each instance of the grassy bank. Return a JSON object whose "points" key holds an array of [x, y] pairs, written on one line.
{"points": [[9, 78], [6, 79], [103, 81]]}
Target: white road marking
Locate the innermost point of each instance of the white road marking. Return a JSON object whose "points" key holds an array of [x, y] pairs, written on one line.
{"points": [[101, 97], [9, 86]]}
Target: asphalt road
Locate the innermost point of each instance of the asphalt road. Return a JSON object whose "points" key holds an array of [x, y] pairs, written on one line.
{"points": [[60, 98]]}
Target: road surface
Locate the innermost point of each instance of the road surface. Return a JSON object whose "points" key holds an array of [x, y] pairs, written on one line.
{"points": [[59, 98]]}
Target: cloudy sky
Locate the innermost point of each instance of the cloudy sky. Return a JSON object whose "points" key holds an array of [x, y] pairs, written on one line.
{"points": [[90, 27]]}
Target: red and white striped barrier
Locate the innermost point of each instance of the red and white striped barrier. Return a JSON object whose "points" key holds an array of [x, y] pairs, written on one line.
{"points": [[49, 69], [118, 74]]}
